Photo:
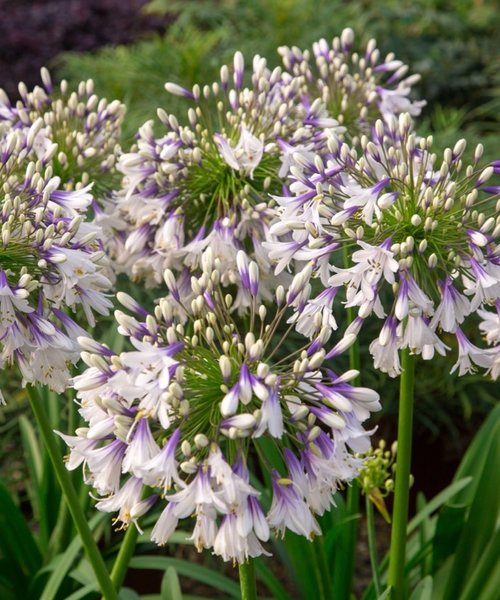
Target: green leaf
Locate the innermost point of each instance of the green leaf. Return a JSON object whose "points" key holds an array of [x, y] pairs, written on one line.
{"points": [[11, 582], [34, 454], [81, 593], [442, 498], [386, 594], [484, 582], [483, 514], [66, 560], [16, 541], [425, 533], [448, 530], [474, 459], [159, 597], [440, 579], [83, 572], [32, 449], [304, 567], [188, 569], [128, 594], [170, 586], [423, 591]]}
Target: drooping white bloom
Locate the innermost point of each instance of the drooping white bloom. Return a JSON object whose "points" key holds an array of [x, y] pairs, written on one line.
{"points": [[247, 154], [490, 324]]}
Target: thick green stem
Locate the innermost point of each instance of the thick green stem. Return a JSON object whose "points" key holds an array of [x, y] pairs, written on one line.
{"points": [[372, 545], [79, 519], [64, 531], [247, 580], [397, 554], [126, 552]]}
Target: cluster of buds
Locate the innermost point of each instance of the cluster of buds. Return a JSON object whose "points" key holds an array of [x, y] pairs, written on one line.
{"points": [[357, 88], [429, 231], [183, 416], [74, 132], [207, 183], [377, 476], [50, 260]]}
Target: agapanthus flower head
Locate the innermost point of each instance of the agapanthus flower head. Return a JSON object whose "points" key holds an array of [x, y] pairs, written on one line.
{"points": [[424, 230], [50, 261], [207, 182], [75, 132], [183, 414], [356, 87]]}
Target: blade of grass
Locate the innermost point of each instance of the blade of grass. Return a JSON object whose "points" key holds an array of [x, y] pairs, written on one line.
{"points": [[442, 498], [269, 579], [483, 516], [66, 561], [81, 593], [423, 591], [484, 582], [17, 541], [170, 586]]}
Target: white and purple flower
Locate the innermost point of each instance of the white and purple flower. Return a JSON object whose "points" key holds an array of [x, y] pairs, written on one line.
{"points": [[180, 415]]}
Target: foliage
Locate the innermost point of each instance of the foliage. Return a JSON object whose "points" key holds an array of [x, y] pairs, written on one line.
{"points": [[44, 561], [451, 552]]}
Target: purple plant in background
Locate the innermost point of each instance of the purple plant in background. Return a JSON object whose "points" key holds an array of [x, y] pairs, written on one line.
{"points": [[181, 416], [425, 232]]}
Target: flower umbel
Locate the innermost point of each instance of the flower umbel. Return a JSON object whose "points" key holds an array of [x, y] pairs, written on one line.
{"points": [[50, 260], [356, 88], [183, 414], [207, 183], [427, 234], [74, 132]]}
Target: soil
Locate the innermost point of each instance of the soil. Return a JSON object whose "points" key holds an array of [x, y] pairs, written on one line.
{"points": [[33, 32]]}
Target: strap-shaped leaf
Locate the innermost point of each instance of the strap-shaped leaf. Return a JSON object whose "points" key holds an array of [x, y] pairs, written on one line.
{"points": [[188, 569]]}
